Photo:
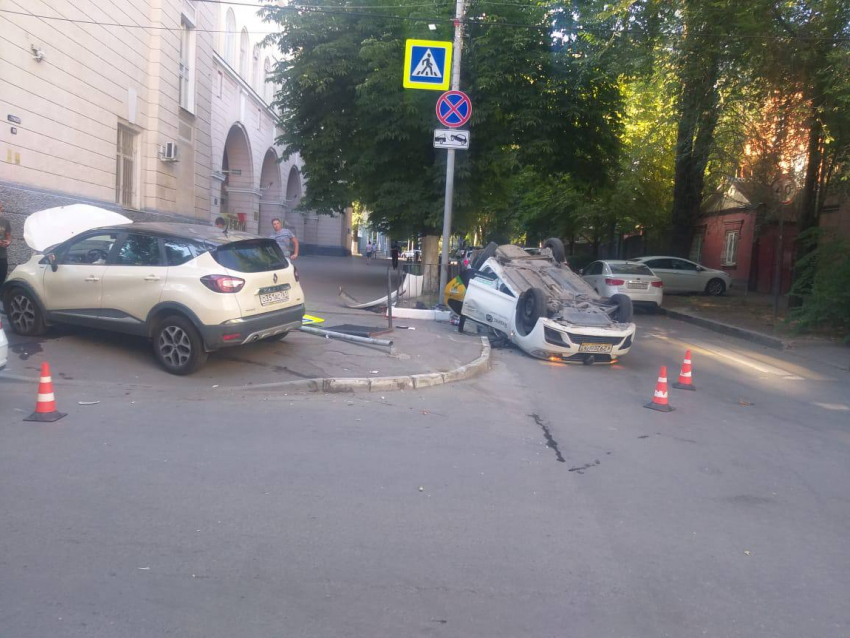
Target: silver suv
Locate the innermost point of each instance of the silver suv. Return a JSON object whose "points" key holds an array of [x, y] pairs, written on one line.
{"points": [[190, 289]]}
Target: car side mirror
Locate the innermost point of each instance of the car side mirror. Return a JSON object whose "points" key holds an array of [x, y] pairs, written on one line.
{"points": [[581, 271], [700, 269], [53, 265]]}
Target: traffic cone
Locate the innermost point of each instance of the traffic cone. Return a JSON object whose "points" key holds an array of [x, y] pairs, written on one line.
{"points": [[659, 399], [685, 381], [45, 404]]}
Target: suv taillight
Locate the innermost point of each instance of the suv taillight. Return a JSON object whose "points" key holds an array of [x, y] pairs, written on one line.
{"points": [[223, 283], [295, 272], [657, 284], [614, 282]]}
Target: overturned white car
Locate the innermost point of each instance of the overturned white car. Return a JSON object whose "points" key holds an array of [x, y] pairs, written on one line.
{"points": [[543, 307]]}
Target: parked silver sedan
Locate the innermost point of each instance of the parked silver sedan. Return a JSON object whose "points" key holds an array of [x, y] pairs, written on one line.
{"points": [[613, 277], [684, 275]]}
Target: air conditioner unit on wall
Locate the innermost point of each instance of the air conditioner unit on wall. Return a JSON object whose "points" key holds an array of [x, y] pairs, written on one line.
{"points": [[168, 153]]}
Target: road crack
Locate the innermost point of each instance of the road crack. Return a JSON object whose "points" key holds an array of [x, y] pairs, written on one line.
{"points": [[550, 441]]}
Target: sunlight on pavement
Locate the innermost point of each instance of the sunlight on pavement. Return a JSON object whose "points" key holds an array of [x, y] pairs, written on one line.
{"points": [[840, 407], [749, 360]]}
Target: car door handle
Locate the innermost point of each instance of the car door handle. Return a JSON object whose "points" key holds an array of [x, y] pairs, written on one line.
{"points": [[151, 278], [92, 278]]}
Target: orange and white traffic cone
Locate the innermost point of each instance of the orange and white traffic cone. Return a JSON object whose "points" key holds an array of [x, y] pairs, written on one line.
{"points": [[659, 399], [45, 404], [685, 381]]}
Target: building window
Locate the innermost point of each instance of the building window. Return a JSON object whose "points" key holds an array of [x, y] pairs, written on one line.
{"points": [[125, 168], [230, 36], [243, 53], [187, 65], [730, 248], [255, 68], [267, 87], [696, 247]]}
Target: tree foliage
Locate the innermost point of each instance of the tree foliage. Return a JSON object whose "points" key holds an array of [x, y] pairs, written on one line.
{"points": [[541, 104], [592, 118]]}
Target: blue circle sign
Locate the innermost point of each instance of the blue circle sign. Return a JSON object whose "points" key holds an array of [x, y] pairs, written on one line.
{"points": [[454, 109]]}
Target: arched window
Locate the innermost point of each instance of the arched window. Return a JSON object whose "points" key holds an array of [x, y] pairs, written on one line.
{"points": [[267, 87], [229, 36], [243, 53], [255, 70]]}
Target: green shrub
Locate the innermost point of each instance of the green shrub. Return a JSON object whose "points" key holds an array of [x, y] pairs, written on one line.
{"points": [[823, 283]]}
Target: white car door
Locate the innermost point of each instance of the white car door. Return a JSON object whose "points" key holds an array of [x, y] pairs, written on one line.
{"points": [[663, 268], [75, 289], [489, 301], [134, 279], [688, 278]]}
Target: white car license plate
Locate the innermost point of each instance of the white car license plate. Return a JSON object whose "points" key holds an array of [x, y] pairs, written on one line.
{"points": [[598, 348], [635, 285], [274, 297]]}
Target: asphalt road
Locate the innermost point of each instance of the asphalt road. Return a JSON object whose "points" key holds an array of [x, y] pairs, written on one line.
{"points": [[538, 500]]}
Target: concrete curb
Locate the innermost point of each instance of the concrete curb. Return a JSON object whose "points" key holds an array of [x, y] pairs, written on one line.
{"points": [[726, 329], [336, 385], [422, 315]]}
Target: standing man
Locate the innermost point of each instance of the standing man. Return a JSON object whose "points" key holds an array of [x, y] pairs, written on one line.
{"points": [[394, 255], [285, 238], [5, 241], [368, 252]]}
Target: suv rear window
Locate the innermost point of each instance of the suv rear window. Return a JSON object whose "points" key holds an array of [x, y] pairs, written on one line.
{"points": [[629, 269], [253, 255]]}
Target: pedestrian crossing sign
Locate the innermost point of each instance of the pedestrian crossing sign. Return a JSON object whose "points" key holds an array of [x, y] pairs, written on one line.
{"points": [[427, 65]]}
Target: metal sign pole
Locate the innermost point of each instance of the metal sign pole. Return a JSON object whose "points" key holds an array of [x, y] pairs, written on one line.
{"points": [[450, 158]]}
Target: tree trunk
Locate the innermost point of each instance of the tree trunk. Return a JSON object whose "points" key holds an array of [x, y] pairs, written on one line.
{"points": [[698, 115], [430, 262], [810, 195]]}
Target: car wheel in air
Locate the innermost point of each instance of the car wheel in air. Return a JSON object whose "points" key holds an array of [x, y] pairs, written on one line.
{"points": [[24, 313], [715, 287], [554, 244], [178, 345], [483, 255], [625, 309], [530, 306]]}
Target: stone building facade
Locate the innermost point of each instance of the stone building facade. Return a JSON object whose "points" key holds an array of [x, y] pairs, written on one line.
{"points": [[158, 109]]}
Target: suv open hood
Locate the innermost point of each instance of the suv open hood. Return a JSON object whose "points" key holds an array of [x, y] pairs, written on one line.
{"points": [[54, 225]]}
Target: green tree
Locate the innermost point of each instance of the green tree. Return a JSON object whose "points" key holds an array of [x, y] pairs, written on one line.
{"points": [[541, 104]]}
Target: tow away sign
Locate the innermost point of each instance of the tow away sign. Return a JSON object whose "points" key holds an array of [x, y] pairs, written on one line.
{"points": [[451, 138]]}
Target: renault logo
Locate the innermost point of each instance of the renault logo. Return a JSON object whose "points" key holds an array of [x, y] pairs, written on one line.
{"points": [[274, 279]]}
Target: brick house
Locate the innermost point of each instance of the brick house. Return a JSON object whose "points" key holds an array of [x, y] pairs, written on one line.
{"points": [[737, 232]]}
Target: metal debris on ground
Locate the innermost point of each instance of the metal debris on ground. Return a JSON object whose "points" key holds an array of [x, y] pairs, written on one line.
{"points": [[88, 402], [358, 331]]}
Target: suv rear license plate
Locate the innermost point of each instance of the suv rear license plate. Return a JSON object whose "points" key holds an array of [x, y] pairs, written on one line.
{"points": [[598, 348], [274, 297], [638, 286]]}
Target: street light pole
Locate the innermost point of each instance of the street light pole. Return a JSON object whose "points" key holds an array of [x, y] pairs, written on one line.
{"points": [[450, 158]]}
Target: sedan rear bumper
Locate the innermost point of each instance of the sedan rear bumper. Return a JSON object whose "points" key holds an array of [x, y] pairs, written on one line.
{"points": [[250, 329]]}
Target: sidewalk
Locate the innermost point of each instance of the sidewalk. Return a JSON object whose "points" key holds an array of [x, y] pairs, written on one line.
{"points": [[97, 360], [750, 316]]}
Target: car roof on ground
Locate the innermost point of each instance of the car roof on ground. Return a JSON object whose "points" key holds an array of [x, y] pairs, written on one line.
{"points": [[208, 234]]}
